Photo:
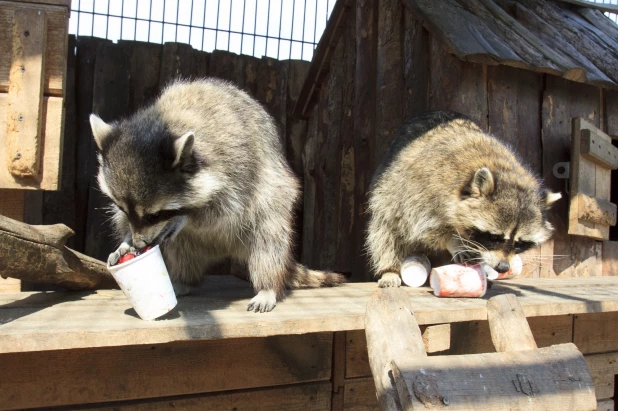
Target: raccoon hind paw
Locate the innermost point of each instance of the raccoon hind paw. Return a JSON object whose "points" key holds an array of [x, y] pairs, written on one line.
{"points": [[263, 302], [389, 280]]}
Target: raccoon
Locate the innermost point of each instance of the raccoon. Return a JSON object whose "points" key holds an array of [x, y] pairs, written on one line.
{"points": [[201, 172], [445, 185]]}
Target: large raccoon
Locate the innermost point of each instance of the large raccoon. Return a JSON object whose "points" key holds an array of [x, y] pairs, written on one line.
{"points": [[201, 172], [444, 185]]}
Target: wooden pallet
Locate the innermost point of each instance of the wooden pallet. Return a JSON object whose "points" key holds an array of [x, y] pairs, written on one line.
{"points": [[519, 376]]}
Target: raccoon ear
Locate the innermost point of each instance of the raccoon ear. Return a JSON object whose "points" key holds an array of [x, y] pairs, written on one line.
{"points": [[551, 198], [183, 146], [482, 184], [100, 130]]}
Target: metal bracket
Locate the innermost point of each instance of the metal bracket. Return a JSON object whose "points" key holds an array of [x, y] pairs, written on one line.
{"points": [[562, 171]]}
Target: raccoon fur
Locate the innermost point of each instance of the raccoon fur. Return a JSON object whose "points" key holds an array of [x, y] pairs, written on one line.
{"points": [[445, 185], [201, 172]]}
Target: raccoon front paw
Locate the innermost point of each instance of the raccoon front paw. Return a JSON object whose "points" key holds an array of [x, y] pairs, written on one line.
{"points": [[389, 280], [115, 256], [263, 302], [181, 289]]}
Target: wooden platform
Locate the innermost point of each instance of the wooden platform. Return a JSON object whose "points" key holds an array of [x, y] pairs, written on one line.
{"points": [[55, 321]]}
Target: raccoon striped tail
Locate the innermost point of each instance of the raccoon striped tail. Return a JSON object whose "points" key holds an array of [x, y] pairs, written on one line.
{"points": [[303, 277]]}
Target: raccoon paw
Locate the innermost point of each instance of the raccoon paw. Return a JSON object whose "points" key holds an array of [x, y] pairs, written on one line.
{"points": [[263, 302], [115, 256], [181, 289], [389, 280]]}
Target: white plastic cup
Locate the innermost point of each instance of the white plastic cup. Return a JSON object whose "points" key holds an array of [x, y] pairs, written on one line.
{"points": [[455, 280], [146, 283], [415, 270]]}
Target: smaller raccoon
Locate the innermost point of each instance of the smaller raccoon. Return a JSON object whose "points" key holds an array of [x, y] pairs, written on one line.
{"points": [[444, 185]]}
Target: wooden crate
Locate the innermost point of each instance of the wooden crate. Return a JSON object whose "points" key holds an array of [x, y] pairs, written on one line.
{"points": [[33, 55]]}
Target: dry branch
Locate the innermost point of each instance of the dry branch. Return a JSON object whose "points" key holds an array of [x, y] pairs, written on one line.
{"points": [[38, 254]]}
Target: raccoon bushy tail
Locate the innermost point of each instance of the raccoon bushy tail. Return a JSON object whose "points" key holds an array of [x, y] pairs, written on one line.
{"points": [[303, 277]]}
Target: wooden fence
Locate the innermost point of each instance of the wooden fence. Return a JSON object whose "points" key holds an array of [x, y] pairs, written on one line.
{"points": [[115, 80]]}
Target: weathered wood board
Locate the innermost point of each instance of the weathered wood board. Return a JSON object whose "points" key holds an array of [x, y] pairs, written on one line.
{"points": [[603, 368], [36, 321], [302, 397], [125, 373], [596, 333]]}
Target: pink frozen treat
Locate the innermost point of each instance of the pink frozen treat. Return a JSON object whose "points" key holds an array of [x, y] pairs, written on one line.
{"points": [[456, 280], [517, 266]]}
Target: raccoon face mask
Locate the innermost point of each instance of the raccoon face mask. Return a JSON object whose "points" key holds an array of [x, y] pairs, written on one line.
{"points": [[150, 175], [499, 221]]}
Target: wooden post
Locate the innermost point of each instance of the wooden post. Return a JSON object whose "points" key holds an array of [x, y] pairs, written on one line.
{"points": [[508, 325], [12, 206], [392, 331]]}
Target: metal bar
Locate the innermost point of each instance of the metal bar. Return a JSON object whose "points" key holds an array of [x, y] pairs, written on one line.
{"points": [[229, 27], [280, 18], [254, 26], [135, 23], [302, 47], [292, 28], [217, 26], [242, 30], [177, 12], [204, 24], [267, 27]]}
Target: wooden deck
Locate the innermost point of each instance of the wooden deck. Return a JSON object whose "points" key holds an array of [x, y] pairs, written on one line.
{"points": [[69, 320]]}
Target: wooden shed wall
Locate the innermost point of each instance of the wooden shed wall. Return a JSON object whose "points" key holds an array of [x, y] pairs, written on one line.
{"points": [[413, 72]]}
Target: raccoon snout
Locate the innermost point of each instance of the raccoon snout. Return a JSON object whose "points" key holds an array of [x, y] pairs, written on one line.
{"points": [[502, 267]]}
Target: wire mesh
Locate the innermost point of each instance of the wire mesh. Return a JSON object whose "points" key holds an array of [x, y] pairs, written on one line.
{"points": [[280, 29]]}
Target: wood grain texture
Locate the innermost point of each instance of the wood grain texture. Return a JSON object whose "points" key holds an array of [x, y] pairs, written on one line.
{"points": [[392, 331], [610, 258], [508, 326], [12, 206], [301, 397], [416, 64], [595, 210], [49, 177], [56, 45], [598, 148], [37, 321], [605, 405], [554, 378], [603, 368], [148, 371], [596, 333], [25, 97], [563, 100], [473, 337], [360, 395]]}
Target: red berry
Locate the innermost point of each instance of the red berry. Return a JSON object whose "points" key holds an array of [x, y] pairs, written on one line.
{"points": [[126, 257]]}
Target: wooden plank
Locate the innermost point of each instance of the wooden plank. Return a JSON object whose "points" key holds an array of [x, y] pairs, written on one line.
{"points": [[227, 66], [474, 337], [547, 378], [550, 35], [598, 149], [123, 373], [320, 64], [49, 179], [56, 46], [416, 64], [600, 21], [596, 332], [437, 338], [25, 97], [605, 405], [346, 242], [456, 85], [176, 63], [65, 3], [364, 123], [609, 8], [110, 101], [60, 206], [338, 373], [144, 72], [562, 100], [390, 81], [392, 332], [308, 255], [595, 210], [508, 326], [310, 397], [360, 395], [37, 321], [603, 368], [86, 161], [611, 112]]}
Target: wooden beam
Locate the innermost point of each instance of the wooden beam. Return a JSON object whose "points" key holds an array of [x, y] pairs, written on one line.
{"points": [[391, 331], [547, 378], [25, 97], [598, 149], [596, 211], [508, 326], [38, 254]]}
